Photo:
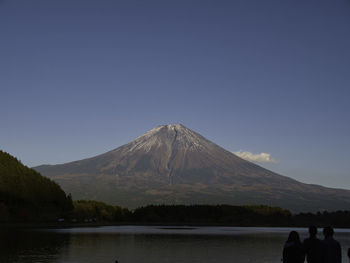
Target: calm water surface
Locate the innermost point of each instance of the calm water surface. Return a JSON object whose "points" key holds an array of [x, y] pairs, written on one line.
{"points": [[151, 244]]}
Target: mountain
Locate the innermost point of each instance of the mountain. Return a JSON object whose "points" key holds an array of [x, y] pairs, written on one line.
{"points": [[172, 164], [26, 195]]}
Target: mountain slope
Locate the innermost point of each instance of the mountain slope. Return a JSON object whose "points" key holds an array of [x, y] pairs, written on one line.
{"points": [[172, 164], [25, 194]]}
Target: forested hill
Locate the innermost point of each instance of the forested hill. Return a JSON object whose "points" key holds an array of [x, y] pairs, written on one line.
{"points": [[27, 195]]}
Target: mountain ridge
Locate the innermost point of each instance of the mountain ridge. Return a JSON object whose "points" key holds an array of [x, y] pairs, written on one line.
{"points": [[171, 164]]}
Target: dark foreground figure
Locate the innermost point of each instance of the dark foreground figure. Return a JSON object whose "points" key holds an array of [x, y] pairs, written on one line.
{"points": [[332, 247], [313, 247], [293, 251]]}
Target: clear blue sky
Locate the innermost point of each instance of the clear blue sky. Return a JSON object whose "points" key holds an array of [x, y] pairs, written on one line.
{"points": [[78, 78]]}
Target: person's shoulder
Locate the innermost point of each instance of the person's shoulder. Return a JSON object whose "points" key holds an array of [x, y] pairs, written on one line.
{"points": [[325, 242], [319, 243], [311, 240], [306, 240], [330, 242], [337, 243], [288, 244]]}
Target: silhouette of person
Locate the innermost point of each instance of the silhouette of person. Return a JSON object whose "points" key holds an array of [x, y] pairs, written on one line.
{"points": [[331, 246], [313, 247], [349, 253], [293, 251]]}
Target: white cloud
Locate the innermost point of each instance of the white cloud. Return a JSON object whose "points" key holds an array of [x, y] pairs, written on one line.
{"points": [[256, 158]]}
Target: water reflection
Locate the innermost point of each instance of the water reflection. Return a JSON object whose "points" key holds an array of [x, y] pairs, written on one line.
{"points": [[148, 244], [18, 245]]}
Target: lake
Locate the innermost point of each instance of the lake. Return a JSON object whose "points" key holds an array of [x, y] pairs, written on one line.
{"points": [[150, 244]]}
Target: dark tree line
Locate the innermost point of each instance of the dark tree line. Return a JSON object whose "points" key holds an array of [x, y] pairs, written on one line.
{"points": [[98, 211], [207, 215], [237, 216], [26, 195]]}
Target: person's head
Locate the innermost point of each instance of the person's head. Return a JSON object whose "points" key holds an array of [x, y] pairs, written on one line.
{"points": [[293, 237], [328, 231], [312, 231]]}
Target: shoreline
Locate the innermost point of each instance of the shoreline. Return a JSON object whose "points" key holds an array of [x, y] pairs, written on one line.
{"points": [[53, 225]]}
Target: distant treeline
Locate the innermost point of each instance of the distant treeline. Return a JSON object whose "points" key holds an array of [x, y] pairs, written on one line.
{"points": [[209, 214], [93, 211], [237, 216]]}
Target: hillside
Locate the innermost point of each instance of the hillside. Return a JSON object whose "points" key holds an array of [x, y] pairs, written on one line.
{"points": [[26, 195]]}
